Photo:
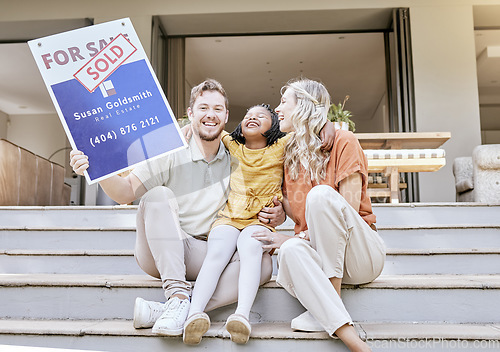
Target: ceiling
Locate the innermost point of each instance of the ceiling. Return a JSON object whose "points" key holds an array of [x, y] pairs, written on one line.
{"points": [[22, 90], [253, 69]]}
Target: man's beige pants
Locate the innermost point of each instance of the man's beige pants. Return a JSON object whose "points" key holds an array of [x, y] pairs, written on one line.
{"points": [[341, 245], [163, 250]]}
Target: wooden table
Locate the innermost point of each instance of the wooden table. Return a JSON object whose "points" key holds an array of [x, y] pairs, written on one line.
{"points": [[403, 140], [392, 167]]}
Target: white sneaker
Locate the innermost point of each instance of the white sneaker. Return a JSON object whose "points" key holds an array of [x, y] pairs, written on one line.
{"points": [[306, 322], [147, 312], [171, 322]]}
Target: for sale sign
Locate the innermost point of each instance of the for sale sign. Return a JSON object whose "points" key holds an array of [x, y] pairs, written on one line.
{"points": [[105, 63], [107, 97]]}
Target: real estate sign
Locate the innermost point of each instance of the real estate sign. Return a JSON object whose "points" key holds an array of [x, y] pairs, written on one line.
{"points": [[107, 97]]}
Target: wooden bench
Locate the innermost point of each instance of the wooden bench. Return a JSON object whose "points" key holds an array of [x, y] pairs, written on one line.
{"points": [[391, 162]]}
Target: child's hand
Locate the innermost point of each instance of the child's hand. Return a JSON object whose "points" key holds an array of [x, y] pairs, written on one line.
{"points": [[187, 132], [327, 135]]}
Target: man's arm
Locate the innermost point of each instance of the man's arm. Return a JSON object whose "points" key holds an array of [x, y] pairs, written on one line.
{"points": [[327, 135], [122, 190], [272, 216], [350, 189]]}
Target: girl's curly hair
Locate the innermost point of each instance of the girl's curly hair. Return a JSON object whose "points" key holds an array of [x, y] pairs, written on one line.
{"points": [[272, 134]]}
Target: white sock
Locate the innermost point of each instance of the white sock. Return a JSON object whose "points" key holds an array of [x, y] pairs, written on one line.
{"points": [[250, 251]]}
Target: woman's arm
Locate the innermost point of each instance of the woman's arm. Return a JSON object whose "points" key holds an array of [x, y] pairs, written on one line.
{"points": [[287, 208], [350, 189]]}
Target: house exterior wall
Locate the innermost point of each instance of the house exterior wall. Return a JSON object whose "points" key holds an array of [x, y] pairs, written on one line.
{"points": [[40, 134], [446, 93], [442, 35]]}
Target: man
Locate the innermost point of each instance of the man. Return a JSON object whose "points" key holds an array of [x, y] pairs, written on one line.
{"points": [[181, 195]]}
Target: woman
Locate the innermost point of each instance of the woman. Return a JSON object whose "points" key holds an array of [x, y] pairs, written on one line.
{"points": [[325, 195]]}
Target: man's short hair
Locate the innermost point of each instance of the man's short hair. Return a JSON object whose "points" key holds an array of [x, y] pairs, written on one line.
{"points": [[207, 85]]}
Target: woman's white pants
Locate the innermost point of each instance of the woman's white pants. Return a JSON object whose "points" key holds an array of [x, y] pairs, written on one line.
{"points": [[341, 245]]}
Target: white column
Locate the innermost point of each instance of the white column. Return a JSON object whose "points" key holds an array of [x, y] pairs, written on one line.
{"points": [[446, 91]]}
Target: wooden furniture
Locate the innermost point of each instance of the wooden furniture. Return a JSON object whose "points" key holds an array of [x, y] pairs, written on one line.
{"points": [[398, 143], [28, 179], [403, 140]]}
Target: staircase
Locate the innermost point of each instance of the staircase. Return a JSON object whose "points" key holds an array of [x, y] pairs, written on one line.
{"points": [[68, 279]]}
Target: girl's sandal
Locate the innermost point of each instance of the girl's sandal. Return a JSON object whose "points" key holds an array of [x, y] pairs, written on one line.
{"points": [[239, 328]]}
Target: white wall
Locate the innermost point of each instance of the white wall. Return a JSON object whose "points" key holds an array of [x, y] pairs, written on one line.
{"points": [[379, 121], [443, 54], [40, 134], [446, 92]]}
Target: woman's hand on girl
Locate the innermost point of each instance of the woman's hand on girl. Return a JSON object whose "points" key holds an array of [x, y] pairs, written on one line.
{"points": [[270, 239]]}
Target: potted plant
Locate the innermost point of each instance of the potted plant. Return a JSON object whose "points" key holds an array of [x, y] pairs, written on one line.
{"points": [[340, 117]]}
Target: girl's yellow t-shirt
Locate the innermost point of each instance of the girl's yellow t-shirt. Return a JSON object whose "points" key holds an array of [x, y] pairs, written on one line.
{"points": [[256, 177]]}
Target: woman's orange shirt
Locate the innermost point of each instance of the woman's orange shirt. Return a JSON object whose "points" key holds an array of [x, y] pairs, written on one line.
{"points": [[346, 158]]}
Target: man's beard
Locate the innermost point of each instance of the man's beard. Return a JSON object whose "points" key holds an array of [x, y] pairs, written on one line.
{"points": [[209, 137]]}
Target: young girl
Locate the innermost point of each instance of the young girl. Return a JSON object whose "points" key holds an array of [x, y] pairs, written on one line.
{"points": [[257, 146]]}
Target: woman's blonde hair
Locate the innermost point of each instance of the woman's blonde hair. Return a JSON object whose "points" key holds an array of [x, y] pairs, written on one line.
{"points": [[308, 117]]}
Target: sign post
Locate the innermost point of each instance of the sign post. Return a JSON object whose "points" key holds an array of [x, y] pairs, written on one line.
{"points": [[107, 97]]}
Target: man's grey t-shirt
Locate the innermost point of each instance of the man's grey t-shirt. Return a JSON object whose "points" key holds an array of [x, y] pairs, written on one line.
{"points": [[201, 188]]}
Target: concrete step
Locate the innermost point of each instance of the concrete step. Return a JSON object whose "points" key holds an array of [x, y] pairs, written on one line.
{"points": [[68, 238], [444, 236], [404, 214], [416, 214], [442, 261], [71, 216], [122, 262], [122, 238], [120, 336], [17, 348], [396, 298], [98, 262]]}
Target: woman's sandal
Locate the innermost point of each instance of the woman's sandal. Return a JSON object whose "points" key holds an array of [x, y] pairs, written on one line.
{"points": [[239, 328]]}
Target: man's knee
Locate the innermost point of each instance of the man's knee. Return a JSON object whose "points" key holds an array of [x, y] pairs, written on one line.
{"points": [[158, 199], [158, 194]]}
